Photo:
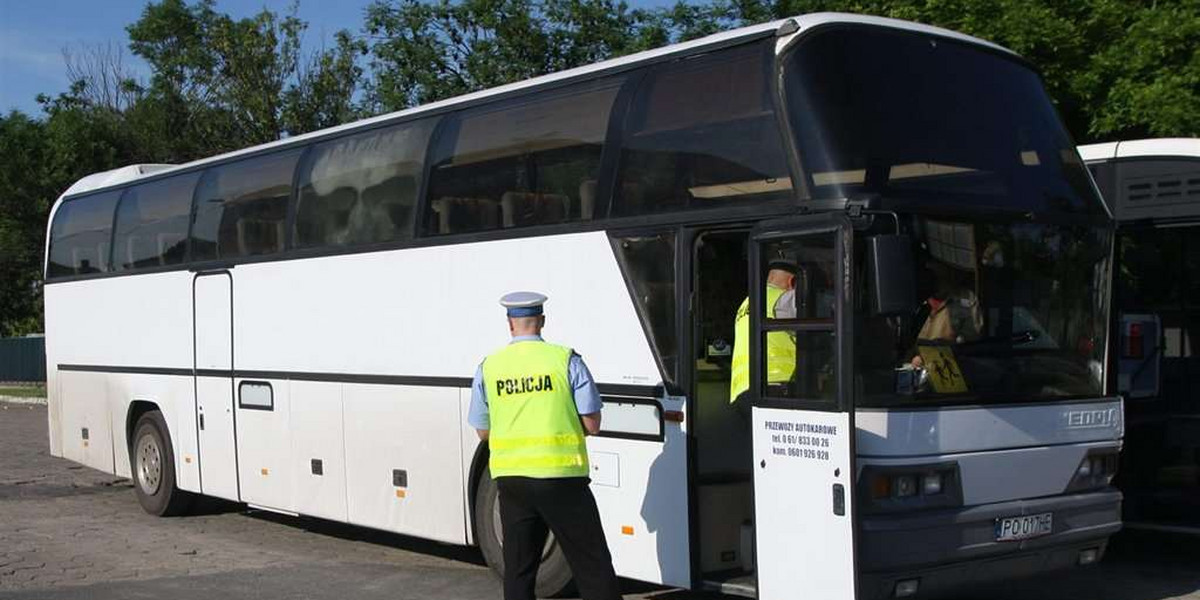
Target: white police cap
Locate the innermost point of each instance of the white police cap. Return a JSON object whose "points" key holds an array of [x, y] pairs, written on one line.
{"points": [[523, 304]]}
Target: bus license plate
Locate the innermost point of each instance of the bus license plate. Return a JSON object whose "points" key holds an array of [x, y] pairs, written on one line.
{"points": [[1011, 529]]}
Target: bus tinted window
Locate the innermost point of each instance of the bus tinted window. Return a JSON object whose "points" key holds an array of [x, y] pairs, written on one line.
{"points": [[702, 133], [648, 264], [968, 128], [362, 189], [80, 236], [531, 161], [241, 207], [152, 224]]}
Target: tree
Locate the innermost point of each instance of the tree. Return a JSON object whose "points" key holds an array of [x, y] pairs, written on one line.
{"points": [[220, 83], [423, 52], [23, 192], [98, 75], [327, 83], [183, 99], [1147, 82]]}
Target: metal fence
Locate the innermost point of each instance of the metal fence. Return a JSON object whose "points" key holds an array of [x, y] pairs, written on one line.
{"points": [[23, 359]]}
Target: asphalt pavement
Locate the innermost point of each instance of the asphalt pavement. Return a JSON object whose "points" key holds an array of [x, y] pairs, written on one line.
{"points": [[69, 532]]}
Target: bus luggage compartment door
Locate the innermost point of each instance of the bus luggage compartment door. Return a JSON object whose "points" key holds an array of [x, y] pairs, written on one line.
{"points": [[212, 298], [802, 417]]}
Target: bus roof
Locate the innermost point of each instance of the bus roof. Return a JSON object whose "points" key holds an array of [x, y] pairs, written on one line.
{"points": [[1161, 147], [115, 177], [802, 23]]}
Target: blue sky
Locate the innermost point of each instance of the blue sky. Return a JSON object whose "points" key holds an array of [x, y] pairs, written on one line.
{"points": [[33, 34]]}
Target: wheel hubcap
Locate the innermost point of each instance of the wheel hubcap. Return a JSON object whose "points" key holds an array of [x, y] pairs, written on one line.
{"points": [[149, 465], [498, 529]]}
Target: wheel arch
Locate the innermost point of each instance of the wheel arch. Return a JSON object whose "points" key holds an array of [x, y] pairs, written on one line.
{"points": [[137, 408]]}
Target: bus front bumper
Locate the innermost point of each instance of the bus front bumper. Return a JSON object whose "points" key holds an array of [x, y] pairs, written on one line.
{"points": [[946, 550]]}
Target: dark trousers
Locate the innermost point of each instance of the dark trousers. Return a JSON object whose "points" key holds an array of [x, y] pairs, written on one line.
{"points": [[528, 507]]}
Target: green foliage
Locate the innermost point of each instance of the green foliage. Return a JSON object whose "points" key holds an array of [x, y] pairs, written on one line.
{"points": [[423, 52], [24, 194], [30, 391], [324, 93], [1148, 80], [220, 84]]}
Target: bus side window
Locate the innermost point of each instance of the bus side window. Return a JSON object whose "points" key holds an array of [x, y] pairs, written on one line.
{"points": [[241, 207], [79, 237], [152, 224], [362, 189], [530, 161], [702, 133]]}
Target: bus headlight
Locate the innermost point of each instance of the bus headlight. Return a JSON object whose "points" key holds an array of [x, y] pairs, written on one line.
{"points": [[931, 484], [892, 488], [1096, 470]]}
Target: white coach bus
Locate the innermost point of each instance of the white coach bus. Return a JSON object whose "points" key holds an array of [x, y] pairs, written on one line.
{"points": [[294, 326], [1153, 189]]}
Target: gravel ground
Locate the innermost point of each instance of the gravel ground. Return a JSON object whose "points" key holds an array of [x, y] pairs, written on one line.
{"points": [[67, 531]]}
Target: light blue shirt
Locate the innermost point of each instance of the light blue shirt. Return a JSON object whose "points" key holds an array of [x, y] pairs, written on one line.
{"points": [[587, 397]]}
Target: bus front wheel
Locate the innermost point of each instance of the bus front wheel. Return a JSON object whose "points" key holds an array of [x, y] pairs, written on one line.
{"points": [[554, 575], [152, 462]]}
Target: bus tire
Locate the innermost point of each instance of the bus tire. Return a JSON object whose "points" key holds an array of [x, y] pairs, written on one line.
{"points": [[152, 466], [554, 574]]}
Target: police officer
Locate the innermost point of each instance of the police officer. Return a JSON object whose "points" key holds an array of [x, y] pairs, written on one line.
{"points": [[781, 346], [534, 402]]}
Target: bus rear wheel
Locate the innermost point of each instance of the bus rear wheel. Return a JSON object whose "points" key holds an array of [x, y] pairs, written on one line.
{"points": [[152, 463], [554, 575]]}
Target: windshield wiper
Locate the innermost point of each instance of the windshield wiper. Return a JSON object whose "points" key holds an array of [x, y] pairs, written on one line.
{"points": [[1016, 339]]}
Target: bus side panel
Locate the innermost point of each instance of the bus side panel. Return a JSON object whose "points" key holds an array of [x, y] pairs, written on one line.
{"points": [[264, 446], [142, 321], [318, 435], [641, 491], [87, 433], [182, 400], [433, 312], [469, 445], [120, 389], [404, 460], [54, 409]]}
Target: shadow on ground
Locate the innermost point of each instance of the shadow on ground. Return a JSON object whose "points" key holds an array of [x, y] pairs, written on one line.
{"points": [[355, 533]]}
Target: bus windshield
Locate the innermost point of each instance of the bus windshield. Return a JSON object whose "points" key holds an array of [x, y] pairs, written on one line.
{"points": [[1010, 241], [926, 121], [1003, 312]]}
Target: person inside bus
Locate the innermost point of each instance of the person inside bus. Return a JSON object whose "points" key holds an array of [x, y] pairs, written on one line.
{"points": [[781, 346], [951, 308]]}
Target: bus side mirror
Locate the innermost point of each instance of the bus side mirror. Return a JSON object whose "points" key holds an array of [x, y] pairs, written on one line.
{"points": [[893, 280]]}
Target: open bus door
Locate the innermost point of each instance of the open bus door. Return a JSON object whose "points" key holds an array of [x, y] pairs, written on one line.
{"points": [[803, 415]]}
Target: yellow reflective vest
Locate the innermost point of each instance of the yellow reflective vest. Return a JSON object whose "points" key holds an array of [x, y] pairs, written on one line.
{"points": [[781, 348], [534, 425]]}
